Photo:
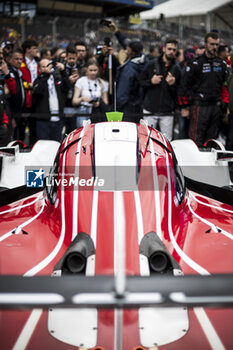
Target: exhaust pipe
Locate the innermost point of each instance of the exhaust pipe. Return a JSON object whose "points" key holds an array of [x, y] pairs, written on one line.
{"points": [[75, 262], [75, 258], [159, 261]]}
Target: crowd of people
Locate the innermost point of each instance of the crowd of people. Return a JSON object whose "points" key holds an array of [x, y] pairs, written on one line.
{"points": [[48, 92]]}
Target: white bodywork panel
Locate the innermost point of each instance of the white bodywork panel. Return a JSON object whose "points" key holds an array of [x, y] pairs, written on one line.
{"points": [[76, 327], [111, 141], [13, 167], [162, 326], [159, 326], [201, 166]]}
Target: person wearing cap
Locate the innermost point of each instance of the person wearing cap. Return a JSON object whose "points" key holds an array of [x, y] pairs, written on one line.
{"points": [[7, 47], [159, 80]]}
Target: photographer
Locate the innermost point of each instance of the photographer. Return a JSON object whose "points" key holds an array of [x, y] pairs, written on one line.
{"points": [[90, 93], [3, 115], [49, 92], [108, 64], [129, 91]]}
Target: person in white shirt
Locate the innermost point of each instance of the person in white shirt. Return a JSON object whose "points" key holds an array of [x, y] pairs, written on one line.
{"points": [[90, 92], [29, 66], [29, 69]]}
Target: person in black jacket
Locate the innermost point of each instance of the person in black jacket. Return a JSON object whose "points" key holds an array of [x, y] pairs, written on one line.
{"points": [[203, 91], [160, 79], [82, 57], [71, 68], [17, 97], [4, 137], [49, 92], [129, 91]]}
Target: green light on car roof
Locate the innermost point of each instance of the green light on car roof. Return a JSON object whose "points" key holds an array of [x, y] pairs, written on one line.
{"points": [[114, 116]]}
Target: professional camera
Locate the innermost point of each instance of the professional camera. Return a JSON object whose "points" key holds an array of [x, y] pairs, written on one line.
{"points": [[53, 62], [105, 22]]}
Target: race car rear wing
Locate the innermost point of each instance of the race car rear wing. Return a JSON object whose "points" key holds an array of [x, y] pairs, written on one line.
{"points": [[100, 291]]}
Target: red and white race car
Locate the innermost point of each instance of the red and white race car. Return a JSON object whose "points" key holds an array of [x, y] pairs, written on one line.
{"points": [[118, 231]]}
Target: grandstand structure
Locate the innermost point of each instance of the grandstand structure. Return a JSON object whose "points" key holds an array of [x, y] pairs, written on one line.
{"points": [[65, 18], [76, 8], [200, 15], [60, 21]]}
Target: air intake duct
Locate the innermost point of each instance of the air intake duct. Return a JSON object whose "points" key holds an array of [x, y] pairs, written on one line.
{"points": [[160, 260], [75, 258]]}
